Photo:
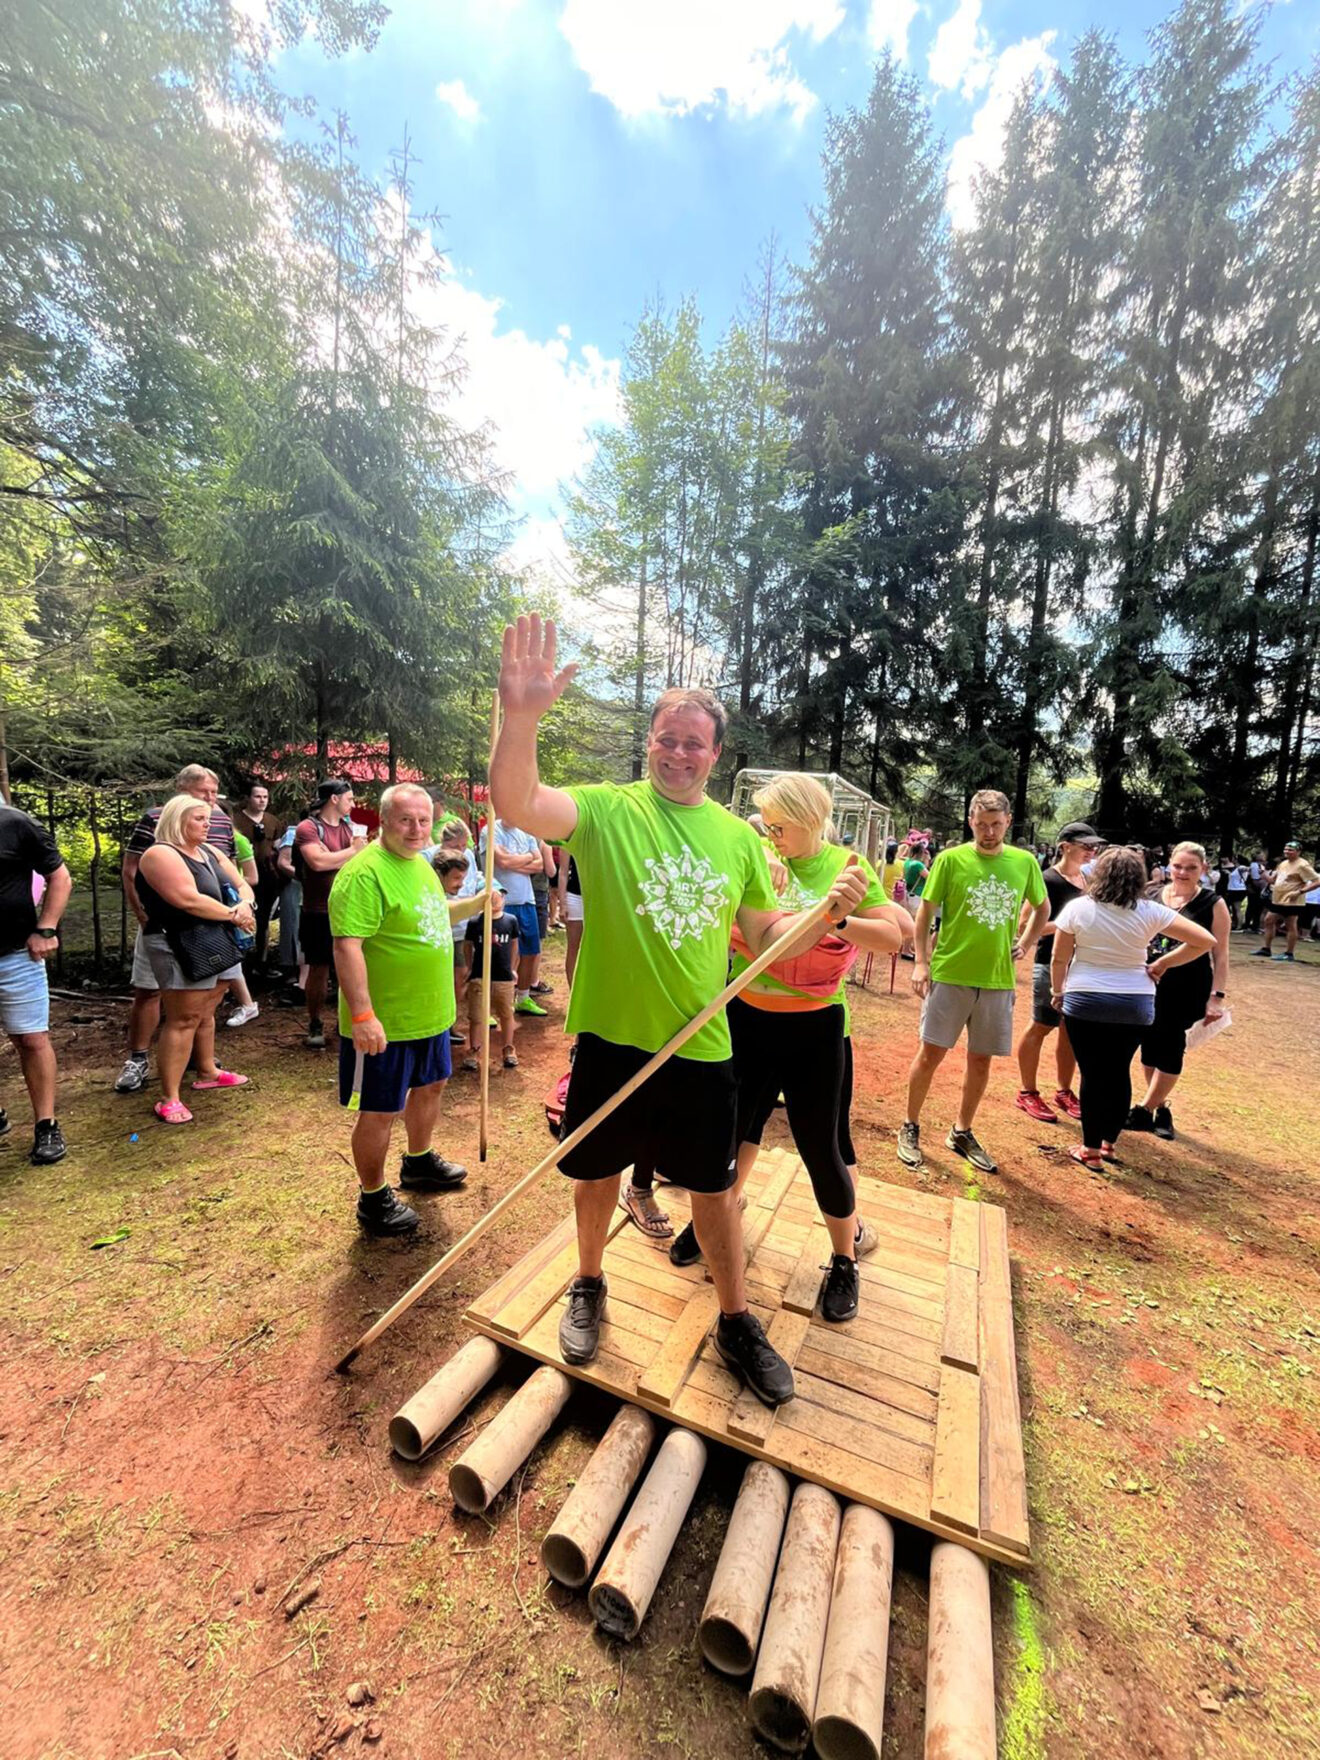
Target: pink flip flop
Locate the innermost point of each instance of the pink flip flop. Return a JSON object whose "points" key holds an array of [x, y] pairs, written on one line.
{"points": [[172, 1112], [223, 1078]]}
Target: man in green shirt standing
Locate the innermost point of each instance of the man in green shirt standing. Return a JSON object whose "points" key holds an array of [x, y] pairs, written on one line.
{"points": [[394, 953], [971, 982], [667, 873]]}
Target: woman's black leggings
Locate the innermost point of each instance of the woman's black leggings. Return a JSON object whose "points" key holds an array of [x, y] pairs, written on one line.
{"points": [[1104, 1052], [800, 1056]]}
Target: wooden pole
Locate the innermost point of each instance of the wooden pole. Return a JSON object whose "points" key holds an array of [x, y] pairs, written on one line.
{"points": [[776, 950], [487, 918]]}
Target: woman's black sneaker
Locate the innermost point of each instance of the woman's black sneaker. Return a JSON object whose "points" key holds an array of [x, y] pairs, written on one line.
{"points": [[1139, 1119], [742, 1344], [842, 1288], [430, 1173], [48, 1145], [1163, 1126], [579, 1329], [381, 1213], [4, 1121], [685, 1250]]}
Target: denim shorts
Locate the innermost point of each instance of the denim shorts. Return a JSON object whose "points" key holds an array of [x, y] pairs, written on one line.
{"points": [[24, 995]]}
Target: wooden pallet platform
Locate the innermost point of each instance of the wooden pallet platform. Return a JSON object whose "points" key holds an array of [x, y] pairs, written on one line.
{"points": [[912, 1407]]}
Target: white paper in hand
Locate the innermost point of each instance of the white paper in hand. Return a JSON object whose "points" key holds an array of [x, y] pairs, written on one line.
{"points": [[1204, 1031]]}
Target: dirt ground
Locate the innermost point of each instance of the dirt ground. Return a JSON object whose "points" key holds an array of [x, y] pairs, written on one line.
{"points": [[177, 1457]]}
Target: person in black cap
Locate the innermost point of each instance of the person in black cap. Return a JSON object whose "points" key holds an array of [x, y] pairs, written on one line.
{"points": [[1063, 882], [323, 842]]}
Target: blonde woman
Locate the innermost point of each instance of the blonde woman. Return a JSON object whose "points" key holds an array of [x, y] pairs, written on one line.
{"points": [[1187, 993], [189, 939], [789, 1029]]}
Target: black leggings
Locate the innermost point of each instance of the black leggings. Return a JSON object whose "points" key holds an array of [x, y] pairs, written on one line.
{"points": [[1104, 1052], [756, 1128], [800, 1056]]}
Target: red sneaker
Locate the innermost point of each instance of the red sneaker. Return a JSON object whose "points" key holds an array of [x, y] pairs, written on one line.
{"points": [[1067, 1102], [1030, 1102]]}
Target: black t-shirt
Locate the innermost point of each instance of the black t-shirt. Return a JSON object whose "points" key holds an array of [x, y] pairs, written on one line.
{"points": [[26, 848], [503, 938], [1060, 891]]}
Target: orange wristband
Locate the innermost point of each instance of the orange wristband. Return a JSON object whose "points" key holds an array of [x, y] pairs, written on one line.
{"points": [[358, 1019]]}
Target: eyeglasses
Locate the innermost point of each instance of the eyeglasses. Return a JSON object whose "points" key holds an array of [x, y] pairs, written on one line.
{"points": [[775, 830]]}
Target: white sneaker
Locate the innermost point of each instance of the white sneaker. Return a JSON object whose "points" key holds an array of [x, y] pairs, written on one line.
{"points": [[242, 1016]]}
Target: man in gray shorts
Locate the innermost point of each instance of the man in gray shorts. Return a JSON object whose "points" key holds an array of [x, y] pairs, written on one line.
{"points": [[970, 982]]}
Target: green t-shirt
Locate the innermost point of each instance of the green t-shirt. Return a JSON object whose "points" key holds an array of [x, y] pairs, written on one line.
{"points": [[661, 885], [982, 899], [913, 876], [243, 849], [396, 906], [809, 882]]}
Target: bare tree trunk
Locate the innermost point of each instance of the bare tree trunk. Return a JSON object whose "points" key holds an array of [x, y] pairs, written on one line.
{"points": [[4, 757], [123, 896], [639, 679], [94, 875]]}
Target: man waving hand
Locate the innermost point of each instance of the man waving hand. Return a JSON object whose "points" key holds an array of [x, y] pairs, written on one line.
{"points": [[668, 871]]}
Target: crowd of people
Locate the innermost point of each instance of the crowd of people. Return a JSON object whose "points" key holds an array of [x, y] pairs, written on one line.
{"points": [[663, 896]]}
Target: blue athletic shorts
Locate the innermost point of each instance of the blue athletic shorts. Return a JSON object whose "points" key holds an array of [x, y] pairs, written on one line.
{"points": [[381, 1083], [529, 932], [24, 995]]}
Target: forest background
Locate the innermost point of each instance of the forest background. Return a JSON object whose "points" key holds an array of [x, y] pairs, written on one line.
{"points": [[1034, 503]]}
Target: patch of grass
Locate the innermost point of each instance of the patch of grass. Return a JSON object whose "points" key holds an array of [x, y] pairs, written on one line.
{"points": [[1022, 1735]]}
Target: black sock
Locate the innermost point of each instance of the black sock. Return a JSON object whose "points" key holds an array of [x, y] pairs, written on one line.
{"points": [[421, 1155], [375, 1198]]}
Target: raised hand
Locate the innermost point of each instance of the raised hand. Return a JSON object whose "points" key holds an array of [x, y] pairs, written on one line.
{"points": [[529, 684]]}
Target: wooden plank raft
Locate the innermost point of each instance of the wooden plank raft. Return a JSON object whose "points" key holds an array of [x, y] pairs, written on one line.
{"points": [[912, 1407]]}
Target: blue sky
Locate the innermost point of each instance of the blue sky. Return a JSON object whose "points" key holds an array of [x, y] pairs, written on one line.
{"points": [[589, 154]]}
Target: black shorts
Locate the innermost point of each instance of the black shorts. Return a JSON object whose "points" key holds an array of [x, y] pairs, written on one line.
{"points": [[1284, 911], [315, 939], [681, 1121]]}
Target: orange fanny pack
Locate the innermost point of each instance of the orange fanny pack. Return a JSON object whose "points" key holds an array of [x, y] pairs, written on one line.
{"points": [[816, 971]]}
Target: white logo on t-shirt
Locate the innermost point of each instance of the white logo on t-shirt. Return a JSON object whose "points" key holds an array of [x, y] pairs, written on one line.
{"points": [[433, 920], [683, 897], [992, 903]]}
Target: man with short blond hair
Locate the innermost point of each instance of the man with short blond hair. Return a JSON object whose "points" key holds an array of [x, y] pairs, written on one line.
{"points": [[394, 953], [970, 982]]}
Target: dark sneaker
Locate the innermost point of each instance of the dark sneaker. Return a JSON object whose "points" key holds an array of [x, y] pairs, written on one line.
{"points": [[4, 1122], [430, 1173], [965, 1144], [1139, 1119], [579, 1330], [316, 1035], [742, 1344], [1164, 1124], [48, 1144], [1285, 956], [542, 989], [381, 1213], [842, 1287], [685, 1249], [909, 1144], [1261, 953], [133, 1077]]}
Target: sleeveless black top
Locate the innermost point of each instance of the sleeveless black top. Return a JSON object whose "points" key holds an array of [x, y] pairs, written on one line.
{"points": [[161, 914], [1183, 992]]}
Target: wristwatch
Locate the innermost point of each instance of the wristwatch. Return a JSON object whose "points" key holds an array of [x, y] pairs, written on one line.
{"points": [[1220, 994], [50, 934], [839, 925]]}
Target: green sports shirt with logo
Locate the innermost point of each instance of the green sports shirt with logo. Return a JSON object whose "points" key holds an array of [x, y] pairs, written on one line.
{"points": [[982, 900], [661, 885]]}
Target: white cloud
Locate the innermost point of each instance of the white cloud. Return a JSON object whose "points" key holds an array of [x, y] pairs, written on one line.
{"points": [[455, 96], [983, 147], [537, 398], [669, 57], [961, 56], [888, 24]]}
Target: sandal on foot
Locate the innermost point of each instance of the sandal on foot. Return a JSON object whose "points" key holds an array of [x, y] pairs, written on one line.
{"points": [[472, 1063], [1110, 1154], [641, 1208], [510, 1060], [172, 1112], [1084, 1157], [223, 1078]]}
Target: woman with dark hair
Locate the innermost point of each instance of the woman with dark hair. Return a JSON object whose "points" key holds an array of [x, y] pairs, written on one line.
{"points": [[1100, 981]]}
